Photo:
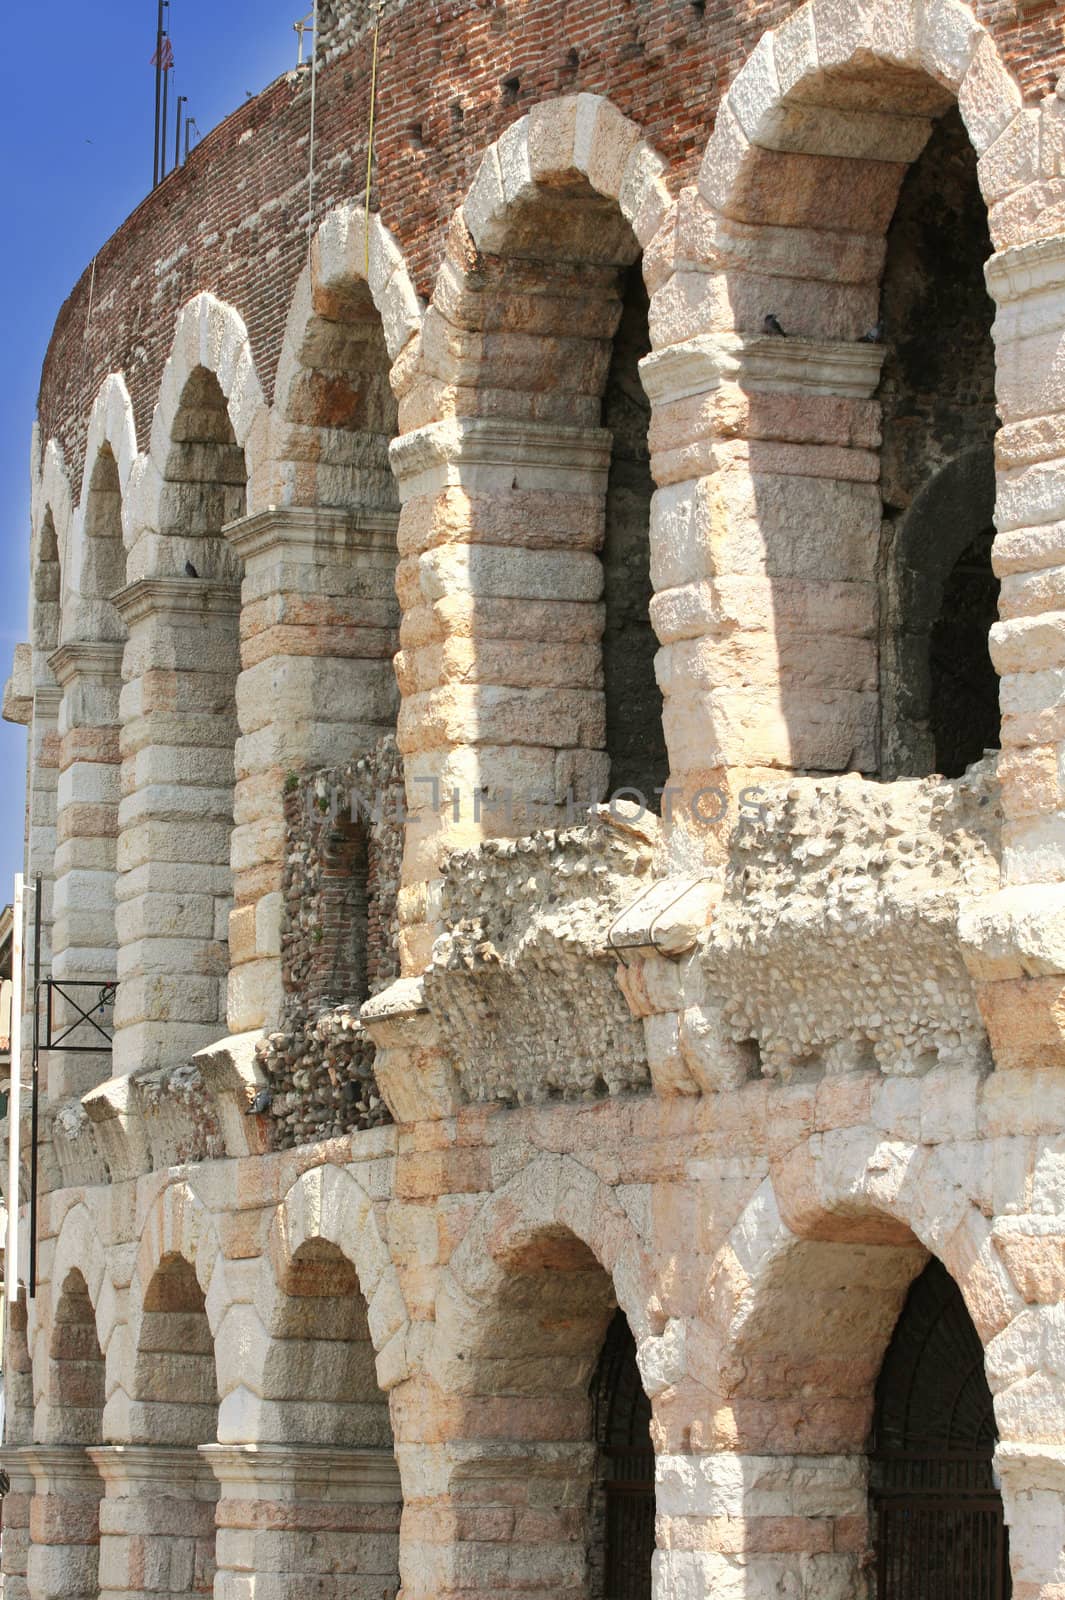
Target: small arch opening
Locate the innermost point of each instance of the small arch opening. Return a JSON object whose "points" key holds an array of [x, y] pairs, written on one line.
{"points": [[936, 1509]]}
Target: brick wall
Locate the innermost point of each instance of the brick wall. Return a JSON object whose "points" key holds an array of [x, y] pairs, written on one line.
{"points": [[452, 76]]}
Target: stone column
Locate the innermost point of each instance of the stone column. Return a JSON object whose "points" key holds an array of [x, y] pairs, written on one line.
{"points": [[1018, 961], [318, 625], [765, 534], [1033, 1497], [1028, 644], [16, 1539], [174, 886], [296, 1520], [63, 1558], [501, 662], [495, 1517], [156, 1523], [791, 1523], [84, 938], [40, 848]]}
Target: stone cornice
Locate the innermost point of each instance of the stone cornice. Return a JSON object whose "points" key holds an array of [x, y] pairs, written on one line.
{"points": [[325, 530], [156, 597], [46, 701], [1026, 269], [60, 1461], [545, 454], [83, 657], [783, 366], [274, 1469], [148, 1463]]}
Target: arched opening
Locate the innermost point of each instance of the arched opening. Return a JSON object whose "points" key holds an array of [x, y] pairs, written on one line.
{"points": [[844, 238], [176, 889], [526, 661], [345, 907], [102, 565], [938, 1523], [621, 1530], [338, 404], [175, 1369], [161, 1491], [318, 1497], [318, 685], [76, 1376], [47, 584], [549, 1485], [939, 596], [89, 668], [68, 1485], [635, 741]]}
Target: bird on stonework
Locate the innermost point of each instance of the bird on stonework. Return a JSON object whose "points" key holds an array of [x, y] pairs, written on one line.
{"points": [[771, 325], [874, 336], [262, 1103], [190, 570]]}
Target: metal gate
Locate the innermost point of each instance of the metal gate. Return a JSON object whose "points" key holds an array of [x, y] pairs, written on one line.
{"points": [[937, 1513], [627, 1467]]}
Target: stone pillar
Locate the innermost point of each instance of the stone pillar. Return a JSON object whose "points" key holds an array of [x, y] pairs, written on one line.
{"points": [[174, 886], [84, 938], [156, 1523], [40, 848], [1025, 1014], [765, 534], [792, 1523], [16, 1508], [63, 1559], [495, 1517], [1028, 644], [501, 663], [1033, 1497], [318, 635], [299, 1520]]}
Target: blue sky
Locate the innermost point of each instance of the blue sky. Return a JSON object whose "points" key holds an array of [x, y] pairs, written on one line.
{"points": [[76, 121]]}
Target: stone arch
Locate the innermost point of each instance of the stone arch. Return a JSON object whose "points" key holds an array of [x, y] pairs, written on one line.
{"points": [[209, 335], [92, 576], [299, 1368], [178, 1228], [181, 605], [320, 688], [329, 1206], [822, 121], [506, 472], [51, 518], [164, 1408], [794, 1319], [78, 1248], [88, 665], [522, 1310]]}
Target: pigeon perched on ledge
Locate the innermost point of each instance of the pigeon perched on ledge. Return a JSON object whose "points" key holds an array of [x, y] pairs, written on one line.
{"points": [[874, 336], [262, 1103], [771, 325], [190, 570]]}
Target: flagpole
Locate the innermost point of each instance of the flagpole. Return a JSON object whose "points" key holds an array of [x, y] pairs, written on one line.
{"points": [[158, 87]]}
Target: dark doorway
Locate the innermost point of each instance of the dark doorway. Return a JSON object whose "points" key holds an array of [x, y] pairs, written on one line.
{"points": [[623, 1511], [936, 1510], [963, 710]]}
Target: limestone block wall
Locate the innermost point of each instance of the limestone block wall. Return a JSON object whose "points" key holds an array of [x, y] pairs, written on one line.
{"points": [[738, 1067], [711, 1222]]}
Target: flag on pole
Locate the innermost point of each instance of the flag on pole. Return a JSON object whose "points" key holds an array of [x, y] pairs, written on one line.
{"points": [[163, 57]]}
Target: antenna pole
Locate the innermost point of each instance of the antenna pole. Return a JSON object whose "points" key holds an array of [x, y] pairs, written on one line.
{"points": [[158, 87], [164, 126]]}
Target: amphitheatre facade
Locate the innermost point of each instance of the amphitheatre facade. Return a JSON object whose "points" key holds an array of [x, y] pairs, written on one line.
{"points": [[515, 749]]}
